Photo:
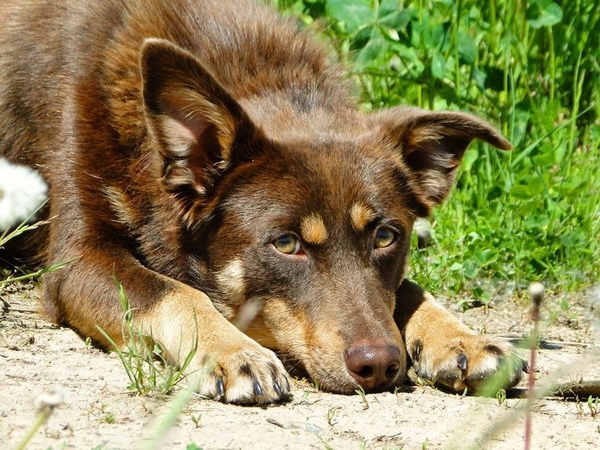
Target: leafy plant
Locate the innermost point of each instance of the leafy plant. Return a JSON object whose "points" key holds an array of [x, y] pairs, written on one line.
{"points": [[529, 214]]}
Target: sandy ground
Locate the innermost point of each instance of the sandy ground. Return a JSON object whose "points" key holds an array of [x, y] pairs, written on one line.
{"points": [[98, 412]]}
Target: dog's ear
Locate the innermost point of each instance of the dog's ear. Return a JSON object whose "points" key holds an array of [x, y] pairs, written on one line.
{"points": [[432, 145], [195, 122]]}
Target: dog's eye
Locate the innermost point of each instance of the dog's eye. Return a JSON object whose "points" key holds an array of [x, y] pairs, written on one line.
{"points": [[384, 237], [288, 245]]}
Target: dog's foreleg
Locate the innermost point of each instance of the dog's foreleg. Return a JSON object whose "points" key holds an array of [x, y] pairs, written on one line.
{"points": [[445, 351], [225, 363]]}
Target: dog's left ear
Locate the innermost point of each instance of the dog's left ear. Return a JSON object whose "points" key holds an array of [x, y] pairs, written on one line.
{"points": [[432, 145]]}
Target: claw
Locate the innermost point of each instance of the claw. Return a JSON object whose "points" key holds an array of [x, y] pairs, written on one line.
{"points": [[463, 362], [220, 388], [277, 388], [257, 389], [524, 366]]}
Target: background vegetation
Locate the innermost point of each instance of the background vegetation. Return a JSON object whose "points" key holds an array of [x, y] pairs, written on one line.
{"points": [[533, 68]]}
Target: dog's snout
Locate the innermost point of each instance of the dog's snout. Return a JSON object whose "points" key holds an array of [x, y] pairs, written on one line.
{"points": [[375, 365]]}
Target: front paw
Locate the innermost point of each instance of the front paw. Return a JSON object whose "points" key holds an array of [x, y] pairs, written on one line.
{"points": [[243, 374], [477, 363]]}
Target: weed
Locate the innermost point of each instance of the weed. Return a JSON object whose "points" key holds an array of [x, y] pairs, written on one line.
{"points": [[501, 396], [110, 418], [100, 446], [330, 415], [304, 397], [192, 447], [168, 420], [360, 391], [579, 406], [594, 406], [324, 442], [528, 214], [143, 360], [46, 404], [25, 227], [196, 420], [536, 290]]}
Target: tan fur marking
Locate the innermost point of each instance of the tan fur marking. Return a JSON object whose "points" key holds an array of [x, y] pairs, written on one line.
{"points": [[231, 281], [119, 205], [361, 216], [313, 229]]}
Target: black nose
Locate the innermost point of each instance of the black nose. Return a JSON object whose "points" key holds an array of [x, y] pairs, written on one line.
{"points": [[374, 364]]}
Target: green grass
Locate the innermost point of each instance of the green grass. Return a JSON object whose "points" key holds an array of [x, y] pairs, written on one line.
{"points": [[7, 276], [148, 370], [532, 68]]}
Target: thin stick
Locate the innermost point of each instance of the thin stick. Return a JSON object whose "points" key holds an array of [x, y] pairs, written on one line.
{"points": [[536, 290]]}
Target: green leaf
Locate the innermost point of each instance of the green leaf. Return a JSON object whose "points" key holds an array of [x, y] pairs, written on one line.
{"points": [[354, 13], [549, 14], [362, 38], [371, 51], [397, 20], [439, 36], [387, 7], [573, 238], [467, 49], [192, 447], [494, 78], [444, 6], [438, 65], [455, 267], [526, 191], [470, 157]]}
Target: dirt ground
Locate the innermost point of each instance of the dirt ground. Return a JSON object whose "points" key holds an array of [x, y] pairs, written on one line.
{"points": [[98, 412]]}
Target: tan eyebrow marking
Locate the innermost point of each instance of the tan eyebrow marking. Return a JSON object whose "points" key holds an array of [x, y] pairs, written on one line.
{"points": [[313, 229], [361, 216]]}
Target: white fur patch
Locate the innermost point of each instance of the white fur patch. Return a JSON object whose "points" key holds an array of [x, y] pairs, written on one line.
{"points": [[231, 280], [22, 191]]}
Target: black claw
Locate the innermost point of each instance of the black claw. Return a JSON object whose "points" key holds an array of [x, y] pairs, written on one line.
{"points": [[524, 366], [220, 387], [287, 384], [257, 389], [277, 388], [463, 362]]}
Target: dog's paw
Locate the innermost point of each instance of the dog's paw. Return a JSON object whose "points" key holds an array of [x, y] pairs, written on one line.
{"points": [[478, 363], [246, 374]]}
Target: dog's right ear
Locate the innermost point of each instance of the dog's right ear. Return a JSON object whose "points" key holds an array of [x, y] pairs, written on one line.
{"points": [[192, 118]]}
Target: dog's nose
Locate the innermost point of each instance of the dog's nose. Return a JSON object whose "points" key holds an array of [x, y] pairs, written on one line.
{"points": [[375, 365]]}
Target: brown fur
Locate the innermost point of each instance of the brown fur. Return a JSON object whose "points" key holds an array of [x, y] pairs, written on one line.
{"points": [[181, 141]]}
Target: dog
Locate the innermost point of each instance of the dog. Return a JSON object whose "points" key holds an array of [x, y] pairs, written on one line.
{"points": [[209, 155]]}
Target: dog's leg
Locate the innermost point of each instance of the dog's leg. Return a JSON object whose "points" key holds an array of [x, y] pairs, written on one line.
{"points": [[446, 352], [227, 365]]}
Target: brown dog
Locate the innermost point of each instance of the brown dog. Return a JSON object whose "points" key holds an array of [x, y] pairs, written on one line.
{"points": [[208, 154]]}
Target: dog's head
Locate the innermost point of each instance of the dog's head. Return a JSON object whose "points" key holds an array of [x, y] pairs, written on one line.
{"points": [[299, 221]]}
